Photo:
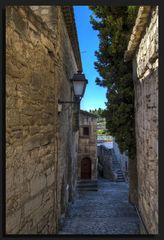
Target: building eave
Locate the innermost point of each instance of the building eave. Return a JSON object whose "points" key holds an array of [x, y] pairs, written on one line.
{"points": [[138, 29], [69, 18], [88, 114]]}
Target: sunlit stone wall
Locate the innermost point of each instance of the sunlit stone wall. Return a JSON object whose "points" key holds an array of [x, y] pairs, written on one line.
{"points": [[145, 65], [40, 142]]}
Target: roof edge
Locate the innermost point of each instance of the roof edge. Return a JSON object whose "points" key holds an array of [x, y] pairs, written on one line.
{"points": [[138, 29], [87, 113], [69, 19]]}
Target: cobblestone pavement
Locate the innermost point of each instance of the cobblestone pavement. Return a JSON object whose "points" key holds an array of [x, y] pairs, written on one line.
{"points": [[106, 211]]}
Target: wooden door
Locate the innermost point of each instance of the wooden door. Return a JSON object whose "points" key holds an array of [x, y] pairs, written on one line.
{"points": [[86, 168]]}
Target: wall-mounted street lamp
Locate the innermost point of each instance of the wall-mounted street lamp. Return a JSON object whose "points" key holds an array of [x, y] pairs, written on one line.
{"points": [[79, 83]]}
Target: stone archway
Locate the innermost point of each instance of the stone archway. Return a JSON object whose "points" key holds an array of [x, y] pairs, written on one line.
{"points": [[86, 168]]}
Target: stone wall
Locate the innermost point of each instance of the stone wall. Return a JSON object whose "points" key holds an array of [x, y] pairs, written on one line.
{"points": [[40, 143], [106, 162], [87, 144], [145, 65], [105, 159]]}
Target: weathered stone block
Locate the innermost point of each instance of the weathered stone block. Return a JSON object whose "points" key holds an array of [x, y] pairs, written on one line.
{"points": [[36, 81], [32, 27], [47, 138], [46, 42], [27, 227], [34, 130], [13, 222], [13, 117], [32, 205], [18, 177], [13, 70], [21, 25], [44, 11], [50, 178], [32, 142], [13, 203]]}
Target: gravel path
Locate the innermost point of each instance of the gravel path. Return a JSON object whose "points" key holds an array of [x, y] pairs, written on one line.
{"points": [[106, 211]]}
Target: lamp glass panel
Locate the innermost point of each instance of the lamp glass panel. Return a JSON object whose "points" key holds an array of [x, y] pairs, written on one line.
{"points": [[78, 87]]}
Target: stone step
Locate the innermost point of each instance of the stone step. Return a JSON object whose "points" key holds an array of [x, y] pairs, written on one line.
{"points": [[88, 189], [87, 185], [87, 181], [120, 175], [120, 179], [118, 171]]}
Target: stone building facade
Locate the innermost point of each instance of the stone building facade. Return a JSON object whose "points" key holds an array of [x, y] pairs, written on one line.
{"points": [[87, 152], [143, 51], [42, 54]]}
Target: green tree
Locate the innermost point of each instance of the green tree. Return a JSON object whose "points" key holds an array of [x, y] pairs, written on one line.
{"points": [[114, 25], [98, 112]]}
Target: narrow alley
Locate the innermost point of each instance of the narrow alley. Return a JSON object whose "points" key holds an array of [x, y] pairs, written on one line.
{"points": [[106, 211], [81, 120]]}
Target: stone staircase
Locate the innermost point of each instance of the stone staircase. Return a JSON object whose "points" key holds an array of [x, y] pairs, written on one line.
{"points": [[87, 185], [120, 176], [117, 168]]}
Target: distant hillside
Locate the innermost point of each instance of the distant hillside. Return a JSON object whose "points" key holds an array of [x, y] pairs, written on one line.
{"points": [[102, 133], [101, 122]]}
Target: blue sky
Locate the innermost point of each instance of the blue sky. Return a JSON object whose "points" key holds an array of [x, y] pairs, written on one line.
{"points": [[95, 96]]}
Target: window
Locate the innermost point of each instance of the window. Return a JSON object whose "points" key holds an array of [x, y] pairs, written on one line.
{"points": [[86, 131]]}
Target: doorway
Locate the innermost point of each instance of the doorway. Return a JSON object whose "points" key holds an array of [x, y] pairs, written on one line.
{"points": [[86, 168]]}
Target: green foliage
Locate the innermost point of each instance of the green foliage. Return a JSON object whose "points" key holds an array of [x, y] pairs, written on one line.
{"points": [[114, 25], [102, 132], [98, 112]]}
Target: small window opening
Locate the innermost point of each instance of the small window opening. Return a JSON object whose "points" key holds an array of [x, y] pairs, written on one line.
{"points": [[86, 131]]}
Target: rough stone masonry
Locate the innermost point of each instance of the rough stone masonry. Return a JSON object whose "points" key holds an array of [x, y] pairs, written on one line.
{"points": [[143, 49], [40, 142]]}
